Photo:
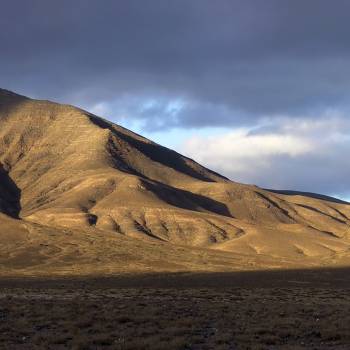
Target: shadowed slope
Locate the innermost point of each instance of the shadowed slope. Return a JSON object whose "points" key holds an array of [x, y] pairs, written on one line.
{"points": [[309, 194], [10, 195]]}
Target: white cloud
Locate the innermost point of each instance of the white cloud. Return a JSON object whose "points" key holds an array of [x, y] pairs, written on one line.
{"points": [[241, 144], [288, 154]]}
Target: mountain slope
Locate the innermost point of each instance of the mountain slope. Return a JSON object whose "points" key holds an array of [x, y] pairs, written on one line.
{"points": [[66, 172]]}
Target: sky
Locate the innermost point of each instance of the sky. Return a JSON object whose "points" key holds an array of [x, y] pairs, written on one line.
{"points": [[256, 90]]}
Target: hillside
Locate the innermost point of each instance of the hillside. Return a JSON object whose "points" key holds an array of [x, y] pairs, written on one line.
{"points": [[81, 195]]}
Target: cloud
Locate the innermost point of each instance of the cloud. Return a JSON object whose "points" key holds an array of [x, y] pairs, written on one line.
{"points": [[289, 155], [163, 112], [231, 62]]}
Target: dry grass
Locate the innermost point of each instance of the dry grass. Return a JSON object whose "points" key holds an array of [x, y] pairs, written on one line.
{"points": [[101, 317]]}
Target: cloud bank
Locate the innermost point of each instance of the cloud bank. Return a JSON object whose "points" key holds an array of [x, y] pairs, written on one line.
{"points": [[246, 58]]}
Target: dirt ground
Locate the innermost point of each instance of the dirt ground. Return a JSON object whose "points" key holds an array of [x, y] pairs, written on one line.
{"points": [[266, 310]]}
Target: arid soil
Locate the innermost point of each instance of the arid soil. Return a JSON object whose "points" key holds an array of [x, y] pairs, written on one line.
{"points": [[267, 310]]}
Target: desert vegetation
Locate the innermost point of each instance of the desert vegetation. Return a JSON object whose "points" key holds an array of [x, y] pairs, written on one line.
{"points": [[141, 313]]}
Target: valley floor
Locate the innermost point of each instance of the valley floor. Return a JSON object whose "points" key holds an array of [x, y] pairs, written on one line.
{"points": [[307, 309]]}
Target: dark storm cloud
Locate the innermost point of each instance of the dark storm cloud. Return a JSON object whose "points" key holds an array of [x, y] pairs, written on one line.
{"points": [[230, 61]]}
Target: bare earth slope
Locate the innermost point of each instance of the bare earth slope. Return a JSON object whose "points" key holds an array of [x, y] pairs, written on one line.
{"points": [[80, 195]]}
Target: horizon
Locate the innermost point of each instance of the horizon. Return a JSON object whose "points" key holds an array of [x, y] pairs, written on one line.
{"points": [[236, 86]]}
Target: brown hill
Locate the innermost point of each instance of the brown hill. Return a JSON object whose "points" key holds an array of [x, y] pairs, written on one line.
{"points": [[81, 195]]}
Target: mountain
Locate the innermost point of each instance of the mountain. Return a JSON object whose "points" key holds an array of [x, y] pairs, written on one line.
{"points": [[81, 195]]}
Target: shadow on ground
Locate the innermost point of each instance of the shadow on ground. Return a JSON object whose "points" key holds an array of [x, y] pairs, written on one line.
{"points": [[309, 278]]}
